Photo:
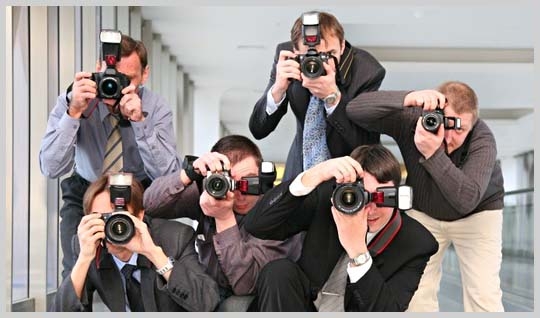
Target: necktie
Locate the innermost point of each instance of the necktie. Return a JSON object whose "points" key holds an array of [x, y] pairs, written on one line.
{"points": [[331, 296], [112, 160], [314, 147], [133, 288]]}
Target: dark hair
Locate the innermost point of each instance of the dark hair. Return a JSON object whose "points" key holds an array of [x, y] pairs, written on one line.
{"points": [[128, 45], [461, 97], [237, 148], [378, 161], [329, 24], [102, 185]]}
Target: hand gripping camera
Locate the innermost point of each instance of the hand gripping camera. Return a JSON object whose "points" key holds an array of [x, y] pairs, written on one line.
{"points": [[119, 228], [311, 63], [110, 82], [219, 183], [351, 197], [432, 120]]}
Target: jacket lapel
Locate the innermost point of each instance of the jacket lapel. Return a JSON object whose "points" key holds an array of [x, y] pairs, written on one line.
{"points": [[148, 277], [112, 284]]}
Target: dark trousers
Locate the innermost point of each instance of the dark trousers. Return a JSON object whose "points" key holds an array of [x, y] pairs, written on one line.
{"points": [[283, 286], [73, 189]]}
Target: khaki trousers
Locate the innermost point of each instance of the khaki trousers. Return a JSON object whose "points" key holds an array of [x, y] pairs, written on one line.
{"points": [[477, 240]]}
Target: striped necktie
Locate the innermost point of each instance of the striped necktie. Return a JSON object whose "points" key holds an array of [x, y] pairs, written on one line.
{"points": [[113, 161], [314, 147]]}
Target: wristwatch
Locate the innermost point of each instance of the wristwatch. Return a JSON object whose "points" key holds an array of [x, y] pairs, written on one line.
{"points": [[187, 165], [360, 259], [331, 99], [167, 267]]}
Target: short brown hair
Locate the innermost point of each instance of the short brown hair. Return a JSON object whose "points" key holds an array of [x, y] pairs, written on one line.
{"points": [[128, 45], [102, 185], [238, 148], [378, 161], [461, 97], [329, 25]]}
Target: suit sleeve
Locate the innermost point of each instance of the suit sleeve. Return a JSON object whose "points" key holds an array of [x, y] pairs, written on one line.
{"points": [[66, 299], [189, 285], [242, 256], [260, 123]]}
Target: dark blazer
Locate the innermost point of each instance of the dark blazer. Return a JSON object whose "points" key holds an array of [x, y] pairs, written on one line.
{"points": [[189, 287], [359, 72], [392, 279]]}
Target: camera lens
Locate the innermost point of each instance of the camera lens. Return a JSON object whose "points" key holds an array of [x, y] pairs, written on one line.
{"points": [[432, 121], [119, 229], [349, 198], [312, 67], [217, 185], [109, 87]]}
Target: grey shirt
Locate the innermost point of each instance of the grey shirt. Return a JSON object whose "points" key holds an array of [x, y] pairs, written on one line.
{"points": [[446, 187], [149, 146], [232, 257]]}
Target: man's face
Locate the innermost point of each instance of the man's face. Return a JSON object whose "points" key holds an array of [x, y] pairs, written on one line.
{"points": [[102, 204], [247, 167], [132, 68], [456, 137], [377, 216], [329, 44]]}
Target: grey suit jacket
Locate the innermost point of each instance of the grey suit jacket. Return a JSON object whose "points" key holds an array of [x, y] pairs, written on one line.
{"points": [[358, 72], [189, 287]]}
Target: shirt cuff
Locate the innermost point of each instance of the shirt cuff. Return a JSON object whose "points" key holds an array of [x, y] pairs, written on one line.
{"points": [[271, 105], [357, 272], [330, 110], [297, 188]]}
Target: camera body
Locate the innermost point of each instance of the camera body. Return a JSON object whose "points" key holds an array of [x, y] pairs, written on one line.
{"points": [[351, 197], [219, 183], [311, 63], [119, 228], [431, 121], [110, 82]]}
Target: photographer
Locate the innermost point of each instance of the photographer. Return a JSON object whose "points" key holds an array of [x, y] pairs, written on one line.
{"points": [[370, 259], [458, 183], [167, 276], [93, 135], [230, 254], [318, 75]]}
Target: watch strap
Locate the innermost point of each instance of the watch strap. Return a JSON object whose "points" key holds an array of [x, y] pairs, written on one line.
{"points": [[167, 267]]}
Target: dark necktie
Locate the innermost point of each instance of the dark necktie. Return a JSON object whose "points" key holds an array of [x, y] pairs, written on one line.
{"points": [[113, 160], [133, 288], [314, 147]]}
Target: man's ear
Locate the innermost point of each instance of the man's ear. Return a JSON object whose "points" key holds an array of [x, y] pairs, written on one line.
{"points": [[145, 74], [342, 48]]}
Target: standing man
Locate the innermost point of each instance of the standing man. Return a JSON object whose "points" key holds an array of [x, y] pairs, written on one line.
{"points": [[317, 73], [458, 183], [91, 136]]}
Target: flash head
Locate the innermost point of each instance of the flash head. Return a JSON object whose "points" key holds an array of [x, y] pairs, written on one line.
{"points": [[120, 190], [311, 29]]}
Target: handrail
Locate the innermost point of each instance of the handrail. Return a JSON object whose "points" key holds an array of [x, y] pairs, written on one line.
{"points": [[525, 190]]}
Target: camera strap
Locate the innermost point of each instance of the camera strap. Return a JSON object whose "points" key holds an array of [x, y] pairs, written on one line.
{"points": [[386, 235]]}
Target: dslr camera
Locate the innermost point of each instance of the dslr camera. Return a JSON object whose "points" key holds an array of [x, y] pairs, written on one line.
{"points": [[219, 183], [351, 197], [110, 82], [431, 121], [311, 63], [119, 228]]}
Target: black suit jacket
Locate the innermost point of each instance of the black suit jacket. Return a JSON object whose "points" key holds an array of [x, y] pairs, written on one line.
{"points": [[359, 72], [189, 287], [392, 279]]}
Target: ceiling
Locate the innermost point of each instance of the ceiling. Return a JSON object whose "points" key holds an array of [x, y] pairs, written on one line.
{"points": [[229, 50]]}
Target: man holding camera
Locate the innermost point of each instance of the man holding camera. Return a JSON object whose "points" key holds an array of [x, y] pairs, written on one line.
{"points": [[151, 266], [318, 73], [100, 125], [452, 165], [366, 259], [237, 178]]}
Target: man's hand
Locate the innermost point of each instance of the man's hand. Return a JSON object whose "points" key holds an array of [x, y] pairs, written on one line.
{"points": [[212, 162], [91, 231], [83, 91], [131, 105], [352, 230], [220, 209], [322, 86], [429, 99], [427, 142], [142, 242], [287, 68], [344, 169]]}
